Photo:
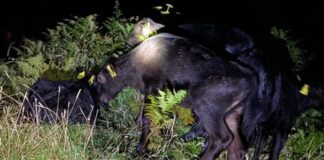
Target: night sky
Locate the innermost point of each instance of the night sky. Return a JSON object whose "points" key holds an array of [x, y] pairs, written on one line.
{"points": [[30, 19]]}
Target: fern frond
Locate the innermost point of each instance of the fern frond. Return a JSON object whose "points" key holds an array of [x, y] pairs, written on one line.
{"points": [[153, 111], [160, 108], [174, 98], [184, 115]]}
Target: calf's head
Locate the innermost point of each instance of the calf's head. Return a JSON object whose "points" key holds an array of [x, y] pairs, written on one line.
{"points": [[106, 84], [142, 30], [310, 97]]}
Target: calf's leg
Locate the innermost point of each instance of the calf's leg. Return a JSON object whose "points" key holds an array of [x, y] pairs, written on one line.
{"points": [[236, 149], [278, 143], [145, 122], [219, 136]]}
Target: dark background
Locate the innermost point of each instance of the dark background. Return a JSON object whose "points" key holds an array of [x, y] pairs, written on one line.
{"points": [[304, 19]]}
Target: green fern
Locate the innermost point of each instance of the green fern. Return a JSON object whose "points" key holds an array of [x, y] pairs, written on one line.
{"points": [[184, 115], [161, 107], [160, 110], [31, 66], [118, 30], [75, 43]]}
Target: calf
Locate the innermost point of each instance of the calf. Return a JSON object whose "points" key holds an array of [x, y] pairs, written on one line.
{"points": [[278, 92], [278, 101], [53, 101], [288, 102], [218, 88]]}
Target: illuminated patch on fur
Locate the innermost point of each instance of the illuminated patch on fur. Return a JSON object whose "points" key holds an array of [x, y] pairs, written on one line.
{"points": [[304, 90], [147, 31], [149, 53]]}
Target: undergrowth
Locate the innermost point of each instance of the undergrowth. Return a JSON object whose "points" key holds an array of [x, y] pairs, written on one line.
{"points": [[82, 43]]}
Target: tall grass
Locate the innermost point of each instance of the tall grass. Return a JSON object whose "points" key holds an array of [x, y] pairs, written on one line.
{"points": [[40, 141]]}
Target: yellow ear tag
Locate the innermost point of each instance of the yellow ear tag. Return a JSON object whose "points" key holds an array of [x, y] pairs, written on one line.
{"points": [[91, 80], [304, 90], [140, 38], [111, 71], [81, 75], [146, 32]]}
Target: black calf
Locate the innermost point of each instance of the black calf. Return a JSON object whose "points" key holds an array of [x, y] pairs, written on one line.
{"points": [[278, 102], [52, 101], [218, 88], [287, 104], [274, 110]]}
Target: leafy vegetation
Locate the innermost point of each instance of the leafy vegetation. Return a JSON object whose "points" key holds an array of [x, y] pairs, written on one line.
{"points": [[75, 44], [161, 108], [117, 134], [82, 43], [297, 55], [307, 142]]}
